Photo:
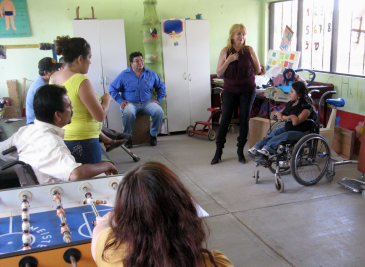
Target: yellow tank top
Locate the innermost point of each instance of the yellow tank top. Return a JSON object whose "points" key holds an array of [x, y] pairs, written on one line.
{"points": [[83, 126]]}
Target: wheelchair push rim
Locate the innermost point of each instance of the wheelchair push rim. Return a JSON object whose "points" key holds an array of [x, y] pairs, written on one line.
{"points": [[310, 159]]}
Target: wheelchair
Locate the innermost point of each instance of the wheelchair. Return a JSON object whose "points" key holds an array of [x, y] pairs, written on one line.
{"points": [[308, 160], [24, 171]]}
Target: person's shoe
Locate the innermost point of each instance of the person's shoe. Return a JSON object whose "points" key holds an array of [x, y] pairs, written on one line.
{"points": [[241, 157], [153, 140], [128, 144], [124, 136], [264, 152], [217, 156], [253, 151], [114, 144]]}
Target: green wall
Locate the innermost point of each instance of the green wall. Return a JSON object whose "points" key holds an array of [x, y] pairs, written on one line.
{"points": [[51, 18]]}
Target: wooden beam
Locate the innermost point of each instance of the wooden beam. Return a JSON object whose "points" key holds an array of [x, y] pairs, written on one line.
{"points": [[21, 46]]}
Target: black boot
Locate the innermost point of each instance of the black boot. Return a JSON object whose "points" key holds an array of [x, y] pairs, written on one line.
{"points": [[217, 156], [241, 157]]}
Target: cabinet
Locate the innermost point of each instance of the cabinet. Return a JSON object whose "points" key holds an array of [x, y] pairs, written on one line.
{"points": [[108, 50], [187, 74]]}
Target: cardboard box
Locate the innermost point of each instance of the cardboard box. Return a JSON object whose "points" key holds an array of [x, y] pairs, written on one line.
{"points": [[141, 129], [258, 129]]}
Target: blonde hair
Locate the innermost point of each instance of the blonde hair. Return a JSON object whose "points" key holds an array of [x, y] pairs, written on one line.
{"points": [[232, 31]]}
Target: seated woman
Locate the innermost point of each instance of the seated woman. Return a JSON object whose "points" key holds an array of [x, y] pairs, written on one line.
{"points": [[297, 110], [154, 223]]}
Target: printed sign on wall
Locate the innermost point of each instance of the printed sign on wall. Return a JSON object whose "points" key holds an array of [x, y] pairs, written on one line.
{"points": [[286, 59], [14, 20]]}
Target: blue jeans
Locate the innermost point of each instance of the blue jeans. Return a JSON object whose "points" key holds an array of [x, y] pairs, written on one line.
{"points": [[149, 108], [231, 101], [272, 141], [85, 151]]}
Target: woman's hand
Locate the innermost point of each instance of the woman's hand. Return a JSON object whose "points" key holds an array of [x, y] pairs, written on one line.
{"points": [[280, 116], [104, 218], [107, 98], [232, 57]]}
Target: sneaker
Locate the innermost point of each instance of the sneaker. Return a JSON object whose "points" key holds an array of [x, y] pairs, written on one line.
{"points": [[264, 152], [153, 140], [128, 144], [253, 151]]}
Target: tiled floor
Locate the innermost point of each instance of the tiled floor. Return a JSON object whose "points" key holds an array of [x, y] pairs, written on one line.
{"points": [[253, 224]]}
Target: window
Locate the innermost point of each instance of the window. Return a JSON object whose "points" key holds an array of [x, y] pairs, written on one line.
{"points": [[330, 34]]}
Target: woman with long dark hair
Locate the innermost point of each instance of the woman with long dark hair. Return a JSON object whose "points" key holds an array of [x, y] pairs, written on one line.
{"points": [[238, 63], [154, 223], [295, 114]]}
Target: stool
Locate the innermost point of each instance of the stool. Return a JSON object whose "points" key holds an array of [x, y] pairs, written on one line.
{"points": [[141, 129]]}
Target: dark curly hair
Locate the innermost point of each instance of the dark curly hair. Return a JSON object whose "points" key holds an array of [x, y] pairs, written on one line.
{"points": [[71, 48], [156, 218]]}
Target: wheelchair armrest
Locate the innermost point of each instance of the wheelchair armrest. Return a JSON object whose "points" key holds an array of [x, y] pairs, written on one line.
{"points": [[9, 150], [11, 164], [314, 126]]}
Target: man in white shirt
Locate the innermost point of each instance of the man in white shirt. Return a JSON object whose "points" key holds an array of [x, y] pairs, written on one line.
{"points": [[41, 144]]}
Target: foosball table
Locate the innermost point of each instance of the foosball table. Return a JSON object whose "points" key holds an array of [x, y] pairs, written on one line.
{"points": [[51, 225]]}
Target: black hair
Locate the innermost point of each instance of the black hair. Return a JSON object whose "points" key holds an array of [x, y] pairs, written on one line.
{"points": [[133, 55], [71, 48], [47, 100], [41, 72], [304, 99], [302, 91]]}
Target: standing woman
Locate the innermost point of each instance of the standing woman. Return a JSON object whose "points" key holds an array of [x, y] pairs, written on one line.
{"points": [[89, 109], [239, 64]]}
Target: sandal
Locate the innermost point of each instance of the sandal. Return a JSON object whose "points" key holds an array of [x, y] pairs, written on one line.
{"points": [[114, 144]]}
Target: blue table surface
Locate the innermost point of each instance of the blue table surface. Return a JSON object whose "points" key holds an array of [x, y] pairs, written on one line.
{"points": [[45, 228]]}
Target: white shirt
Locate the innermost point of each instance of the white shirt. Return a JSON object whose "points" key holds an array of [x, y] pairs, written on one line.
{"points": [[41, 146]]}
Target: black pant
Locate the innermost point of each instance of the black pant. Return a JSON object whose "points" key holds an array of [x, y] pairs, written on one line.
{"points": [[231, 101]]}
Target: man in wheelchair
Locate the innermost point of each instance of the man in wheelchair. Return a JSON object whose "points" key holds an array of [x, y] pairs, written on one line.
{"points": [[295, 115], [41, 144]]}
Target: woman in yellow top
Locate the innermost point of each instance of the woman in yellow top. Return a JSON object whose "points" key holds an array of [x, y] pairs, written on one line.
{"points": [[154, 223], [89, 109]]}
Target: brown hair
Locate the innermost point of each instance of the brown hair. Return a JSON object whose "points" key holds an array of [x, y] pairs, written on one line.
{"points": [[156, 218], [232, 31], [71, 48]]}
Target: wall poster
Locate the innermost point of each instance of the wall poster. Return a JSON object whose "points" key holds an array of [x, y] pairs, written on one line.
{"points": [[14, 19]]}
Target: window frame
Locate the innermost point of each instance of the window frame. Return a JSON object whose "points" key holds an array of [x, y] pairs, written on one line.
{"points": [[299, 35]]}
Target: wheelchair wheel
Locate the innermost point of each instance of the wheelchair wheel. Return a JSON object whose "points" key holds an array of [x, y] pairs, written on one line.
{"points": [[189, 129], [279, 185], [282, 170], [310, 159], [275, 125]]}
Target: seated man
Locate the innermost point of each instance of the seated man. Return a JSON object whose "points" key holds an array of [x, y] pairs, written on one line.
{"points": [[47, 66], [41, 144], [132, 90]]}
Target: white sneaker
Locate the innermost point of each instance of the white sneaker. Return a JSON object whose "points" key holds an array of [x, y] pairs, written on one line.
{"points": [[253, 151], [264, 152]]}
